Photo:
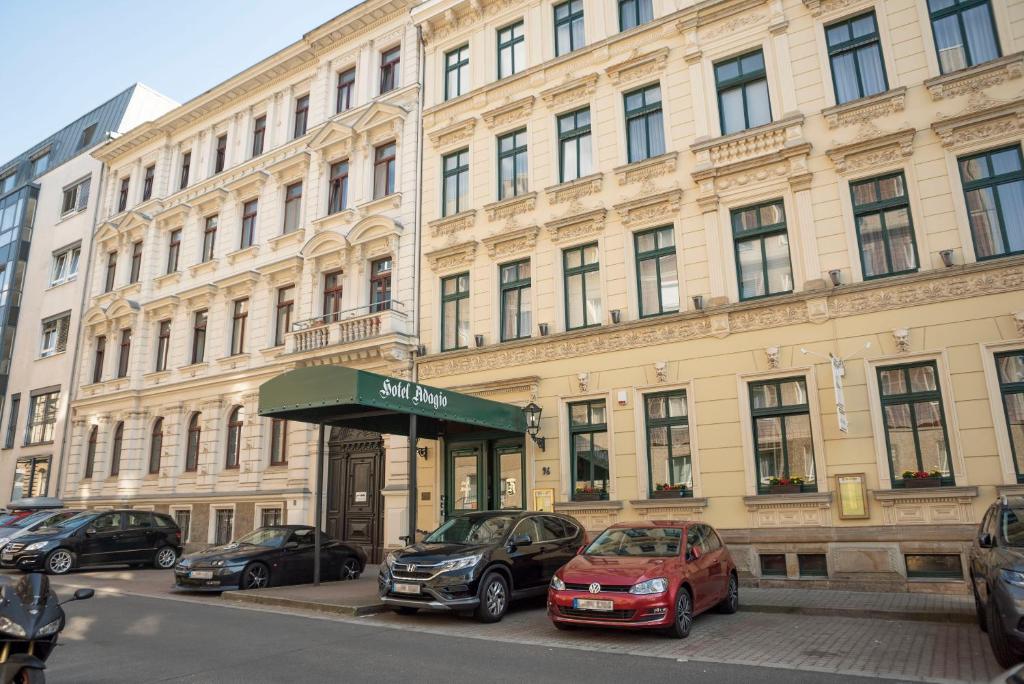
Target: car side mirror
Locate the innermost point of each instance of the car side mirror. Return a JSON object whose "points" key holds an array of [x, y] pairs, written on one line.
{"points": [[90, 531], [985, 540], [291, 545], [695, 553], [520, 540]]}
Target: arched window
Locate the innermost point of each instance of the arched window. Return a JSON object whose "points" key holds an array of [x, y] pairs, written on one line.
{"points": [[90, 454], [115, 452], [156, 445], [235, 422], [192, 452]]}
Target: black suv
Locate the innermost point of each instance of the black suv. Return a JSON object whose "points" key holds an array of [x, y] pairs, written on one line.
{"points": [[478, 562], [97, 538], [997, 576]]}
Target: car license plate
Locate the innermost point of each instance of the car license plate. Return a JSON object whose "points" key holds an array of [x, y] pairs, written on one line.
{"points": [[201, 574], [7, 556], [401, 588], [591, 604]]}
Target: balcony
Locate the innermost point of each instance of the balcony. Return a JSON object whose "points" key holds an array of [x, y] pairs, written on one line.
{"points": [[348, 328]]}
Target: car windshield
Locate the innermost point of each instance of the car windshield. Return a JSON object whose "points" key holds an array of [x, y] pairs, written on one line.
{"points": [[1011, 527], [34, 518], [637, 541], [472, 530], [76, 521], [8, 520], [273, 537]]}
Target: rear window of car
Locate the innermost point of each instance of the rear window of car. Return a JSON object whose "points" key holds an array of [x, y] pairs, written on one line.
{"points": [[164, 520]]}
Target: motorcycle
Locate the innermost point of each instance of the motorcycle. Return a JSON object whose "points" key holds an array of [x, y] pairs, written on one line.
{"points": [[31, 618]]}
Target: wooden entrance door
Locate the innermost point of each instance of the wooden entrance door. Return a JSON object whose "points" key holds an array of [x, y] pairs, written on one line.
{"points": [[355, 476]]}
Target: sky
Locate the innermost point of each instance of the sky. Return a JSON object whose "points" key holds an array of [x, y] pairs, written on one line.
{"points": [[62, 58]]}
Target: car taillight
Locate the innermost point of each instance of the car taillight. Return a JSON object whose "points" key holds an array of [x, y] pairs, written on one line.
{"points": [[178, 535]]}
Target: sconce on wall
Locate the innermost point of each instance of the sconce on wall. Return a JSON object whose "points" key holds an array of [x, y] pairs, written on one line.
{"points": [[422, 452], [532, 413]]}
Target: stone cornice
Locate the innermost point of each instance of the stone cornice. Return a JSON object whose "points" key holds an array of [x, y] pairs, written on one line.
{"points": [[873, 152], [649, 209], [454, 133], [867, 109], [977, 78], [570, 92], [576, 226], [575, 189], [510, 113], [649, 168], [449, 225], [982, 120], [508, 243], [511, 206], [454, 256], [639, 65]]}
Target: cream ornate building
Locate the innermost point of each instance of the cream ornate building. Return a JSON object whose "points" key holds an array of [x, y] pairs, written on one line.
{"points": [[658, 219], [267, 224]]}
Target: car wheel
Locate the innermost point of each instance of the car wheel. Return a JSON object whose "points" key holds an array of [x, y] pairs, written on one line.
{"points": [[979, 609], [682, 616], [405, 610], [350, 569], [731, 603], [165, 558], [30, 675], [493, 598], [59, 562], [1006, 655], [255, 576]]}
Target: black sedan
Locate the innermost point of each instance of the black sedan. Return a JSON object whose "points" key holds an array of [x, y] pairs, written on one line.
{"points": [[268, 556]]}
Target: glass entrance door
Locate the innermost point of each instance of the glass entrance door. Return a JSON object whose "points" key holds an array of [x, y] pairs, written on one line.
{"points": [[484, 476], [464, 480]]}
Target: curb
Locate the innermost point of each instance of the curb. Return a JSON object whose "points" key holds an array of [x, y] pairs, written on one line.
{"points": [[298, 604], [905, 615]]}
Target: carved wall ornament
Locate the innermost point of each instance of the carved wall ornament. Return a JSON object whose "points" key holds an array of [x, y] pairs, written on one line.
{"points": [[570, 92], [455, 256], [506, 243], [652, 209], [449, 225], [978, 124], [661, 371], [877, 151], [773, 356], [638, 66], [866, 110], [978, 78], [583, 380], [820, 8], [577, 226], [785, 135], [514, 111], [731, 26], [1018, 319], [901, 336], [453, 133], [506, 208], [647, 169], [575, 189]]}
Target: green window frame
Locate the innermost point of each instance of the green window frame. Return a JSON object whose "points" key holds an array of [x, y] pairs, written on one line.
{"points": [[511, 49], [588, 440], [456, 71], [953, 41], [668, 441], [884, 226], [454, 182], [516, 305], [781, 423], [855, 57], [993, 180], [645, 132], [512, 164], [744, 76], [657, 271], [569, 35], [455, 312], [1010, 370], [581, 269], [761, 245], [633, 13], [911, 399], [575, 155]]}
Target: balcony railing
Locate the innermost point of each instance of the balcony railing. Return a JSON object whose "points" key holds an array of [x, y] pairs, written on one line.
{"points": [[347, 327]]}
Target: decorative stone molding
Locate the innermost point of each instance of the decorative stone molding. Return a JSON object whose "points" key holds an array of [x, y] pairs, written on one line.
{"points": [[982, 120], [249, 252], [809, 509], [575, 189], [819, 8], [577, 226], [522, 385], [160, 308], [977, 78], [248, 185], [173, 216], [238, 284], [866, 110], [901, 336], [455, 256], [449, 225], [927, 506], [1018, 319], [452, 134], [208, 266], [593, 515], [210, 200], [683, 508], [507, 243], [583, 381], [730, 26], [335, 221], [772, 353], [509, 113], [507, 208], [762, 141], [660, 207], [379, 205], [294, 238], [570, 92], [648, 169], [282, 270], [290, 168], [865, 154], [638, 66]]}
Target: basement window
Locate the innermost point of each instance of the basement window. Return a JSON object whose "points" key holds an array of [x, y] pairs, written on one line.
{"points": [[812, 564], [934, 566], [773, 565]]}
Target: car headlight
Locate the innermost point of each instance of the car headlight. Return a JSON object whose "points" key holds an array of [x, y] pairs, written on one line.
{"points": [[48, 629], [390, 560], [557, 584], [3, 542], [217, 563], [9, 626], [1013, 577], [459, 563], [36, 546], [658, 585]]}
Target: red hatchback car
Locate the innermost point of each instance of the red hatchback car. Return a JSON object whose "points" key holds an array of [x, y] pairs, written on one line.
{"points": [[642, 575]]}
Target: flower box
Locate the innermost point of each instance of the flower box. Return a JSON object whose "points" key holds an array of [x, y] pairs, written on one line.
{"points": [[589, 496], [668, 493], [784, 489], [921, 482]]}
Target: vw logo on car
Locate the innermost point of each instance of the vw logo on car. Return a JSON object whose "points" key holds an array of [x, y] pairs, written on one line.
{"points": [[595, 588]]}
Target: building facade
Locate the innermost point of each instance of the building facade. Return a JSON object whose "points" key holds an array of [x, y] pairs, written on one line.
{"points": [[267, 224], [754, 261], [49, 210]]}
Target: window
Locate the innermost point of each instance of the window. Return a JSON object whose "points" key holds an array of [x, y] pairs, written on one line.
{"points": [[156, 445], [773, 565], [994, 189], [199, 336], [965, 33], [1010, 368], [455, 182], [90, 452], [456, 72], [885, 232], [657, 274], [220, 153], [31, 477], [855, 54], [126, 347], [512, 164], [380, 285], [333, 286], [249, 223], [122, 194], [285, 307], [292, 204], [384, 170], [136, 265], [669, 461], [7, 182], [812, 564], [516, 309], [915, 425], [762, 250], [183, 518], [108, 281], [783, 447], [40, 164], [55, 335], [147, 182], [259, 135], [239, 317], [301, 116], [389, 61], [163, 345], [42, 417], [574, 149], [645, 136], [65, 265], [88, 133], [97, 363], [173, 250], [337, 198], [588, 437], [76, 197], [271, 517], [12, 421], [934, 566], [278, 441], [186, 166], [569, 34], [346, 84], [455, 312], [195, 433], [742, 93], [511, 50], [582, 286], [633, 13], [235, 423], [224, 529], [209, 237]]}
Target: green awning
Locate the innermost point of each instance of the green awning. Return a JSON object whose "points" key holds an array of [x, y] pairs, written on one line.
{"points": [[345, 397]]}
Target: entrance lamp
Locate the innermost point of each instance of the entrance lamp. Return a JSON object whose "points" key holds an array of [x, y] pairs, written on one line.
{"points": [[532, 413]]}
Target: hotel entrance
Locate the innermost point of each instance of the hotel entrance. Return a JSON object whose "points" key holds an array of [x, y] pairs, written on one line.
{"points": [[483, 475]]}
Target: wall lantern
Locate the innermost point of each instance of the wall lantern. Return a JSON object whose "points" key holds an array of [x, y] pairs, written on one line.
{"points": [[532, 413]]}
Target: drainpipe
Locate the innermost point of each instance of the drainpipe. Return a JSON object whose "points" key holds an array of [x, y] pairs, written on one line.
{"points": [[419, 197]]}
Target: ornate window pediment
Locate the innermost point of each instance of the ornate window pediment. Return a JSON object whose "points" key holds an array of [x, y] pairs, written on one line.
{"points": [[509, 243], [240, 283], [982, 120], [509, 113], [210, 201], [161, 308], [570, 92], [173, 216], [455, 256], [454, 133], [638, 66], [290, 168], [658, 208], [248, 185], [576, 226], [873, 152]]}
